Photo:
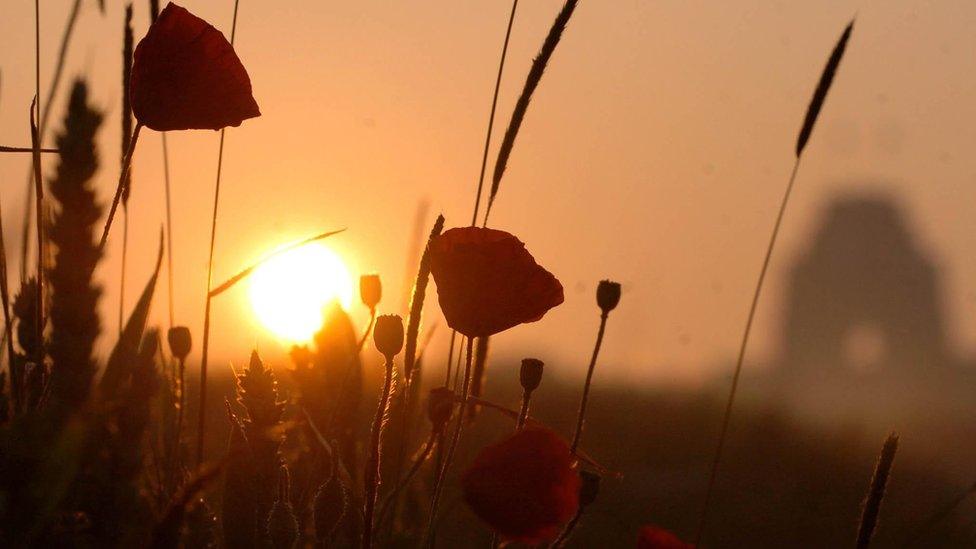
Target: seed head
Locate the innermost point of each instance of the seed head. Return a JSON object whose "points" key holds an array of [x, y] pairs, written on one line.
{"points": [[607, 295], [388, 335], [180, 341], [370, 290], [531, 374]]}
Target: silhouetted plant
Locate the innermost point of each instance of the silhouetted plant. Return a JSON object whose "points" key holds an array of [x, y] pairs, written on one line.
{"points": [[74, 294]]}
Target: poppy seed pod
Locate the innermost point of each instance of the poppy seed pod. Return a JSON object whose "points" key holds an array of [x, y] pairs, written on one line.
{"points": [[180, 341], [388, 335], [440, 405], [530, 376], [607, 295], [370, 290], [589, 487]]}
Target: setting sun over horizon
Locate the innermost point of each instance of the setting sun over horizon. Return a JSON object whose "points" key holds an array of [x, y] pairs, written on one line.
{"points": [[289, 292]]}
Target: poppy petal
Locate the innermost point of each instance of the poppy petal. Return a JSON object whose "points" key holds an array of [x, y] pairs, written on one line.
{"points": [[524, 487], [487, 282], [185, 75]]}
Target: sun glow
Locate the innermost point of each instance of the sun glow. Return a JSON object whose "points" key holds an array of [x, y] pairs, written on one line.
{"points": [[289, 292]]}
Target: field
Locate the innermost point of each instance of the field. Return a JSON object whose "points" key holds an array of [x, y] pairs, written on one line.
{"points": [[377, 412]]}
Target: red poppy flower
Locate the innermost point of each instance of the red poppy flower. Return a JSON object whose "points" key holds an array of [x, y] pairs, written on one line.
{"points": [[487, 282], [185, 75], [525, 486], [652, 537]]}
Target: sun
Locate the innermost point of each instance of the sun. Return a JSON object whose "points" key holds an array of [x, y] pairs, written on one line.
{"points": [[289, 292]]}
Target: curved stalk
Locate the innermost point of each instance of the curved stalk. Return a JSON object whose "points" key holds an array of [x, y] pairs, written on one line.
{"points": [[449, 458], [372, 472], [581, 417]]}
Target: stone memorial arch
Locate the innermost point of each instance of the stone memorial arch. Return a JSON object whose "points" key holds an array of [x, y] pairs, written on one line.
{"points": [[863, 287]]}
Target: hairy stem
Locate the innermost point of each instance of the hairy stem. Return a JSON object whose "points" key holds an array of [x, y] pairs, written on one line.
{"points": [[581, 416], [372, 472], [449, 457]]}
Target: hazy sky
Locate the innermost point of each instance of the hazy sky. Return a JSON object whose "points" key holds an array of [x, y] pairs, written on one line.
{"points": [[654, 153]]}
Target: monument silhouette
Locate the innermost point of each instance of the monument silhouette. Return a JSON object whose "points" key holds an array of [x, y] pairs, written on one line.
{"points": [[863, 272]]}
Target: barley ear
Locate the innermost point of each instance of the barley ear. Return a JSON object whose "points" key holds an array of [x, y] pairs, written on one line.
{"points": [[820, 94]]}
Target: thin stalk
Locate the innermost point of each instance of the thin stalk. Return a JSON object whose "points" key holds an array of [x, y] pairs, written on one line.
{"points": [[581, 416], [449, 458], [39, 191], [491, 116], [742, 353], [181, 389], [45, 115], [202, 412], [523, 411], [7, 326], [125, 253], [372, 472], [169, 232], [6, 149], [389, 502], [450, 359], [568, 530], [120, 188]]}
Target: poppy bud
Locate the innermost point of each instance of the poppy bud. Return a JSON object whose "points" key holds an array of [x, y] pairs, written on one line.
{"points": [[388, 335], [589, 487], [370, 290], [607, 295], [531, 374], [440, 405], [180, 341]]}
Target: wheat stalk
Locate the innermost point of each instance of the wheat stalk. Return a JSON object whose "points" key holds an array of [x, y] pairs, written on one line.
{"points": [[819, 96], [522, 105]]}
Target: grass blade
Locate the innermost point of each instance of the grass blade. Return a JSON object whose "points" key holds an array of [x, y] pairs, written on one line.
{"points": [[127, 348], [522, 105], [820, 94], [229, 283]]}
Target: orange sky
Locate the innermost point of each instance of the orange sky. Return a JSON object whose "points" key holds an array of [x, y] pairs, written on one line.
{"points": [[654, 153]]}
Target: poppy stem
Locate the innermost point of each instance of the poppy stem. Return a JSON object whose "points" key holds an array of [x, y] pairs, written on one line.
{"points": [[125, 253], [568, 530], [523, 411], [372, 472], [39, 191], [742, 354], [169, 232], [123, 172], [581, 417], [459, 426], [389, 502], [202, 412], [491, 117]]}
